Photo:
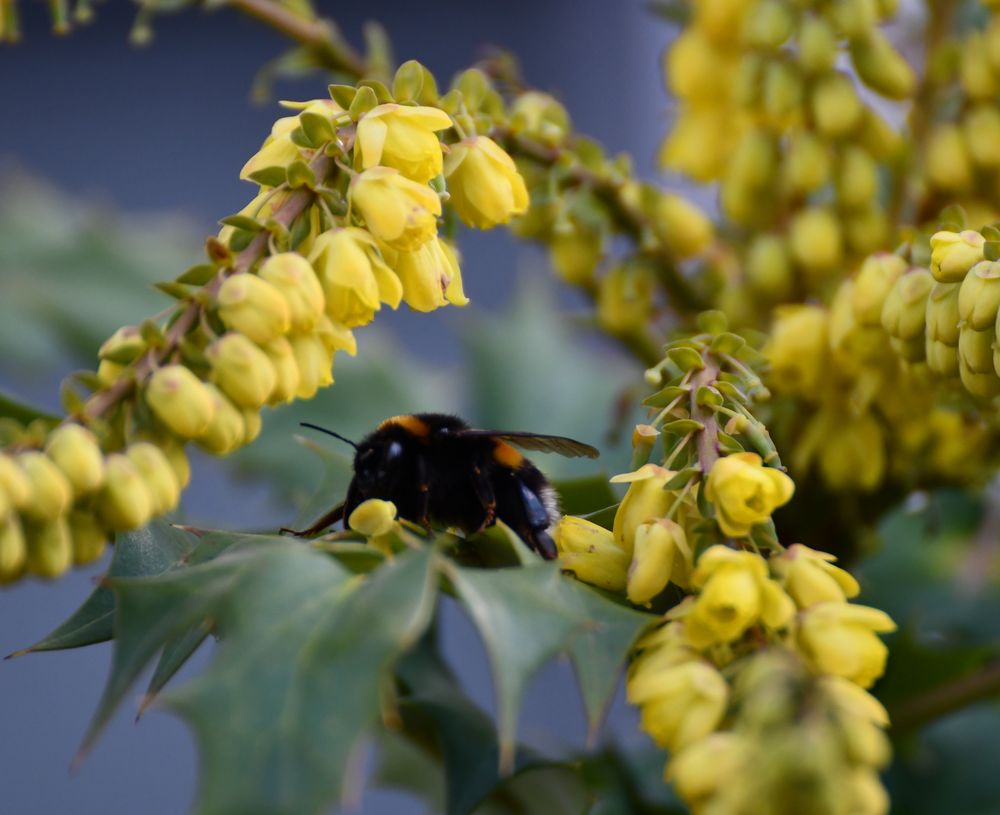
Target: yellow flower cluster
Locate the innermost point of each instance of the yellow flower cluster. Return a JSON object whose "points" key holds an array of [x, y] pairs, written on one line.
{"points": [[962, 151], [766, 109], [280, 298], [712, 685], [647, 547], [59, 505], [870, 367]]}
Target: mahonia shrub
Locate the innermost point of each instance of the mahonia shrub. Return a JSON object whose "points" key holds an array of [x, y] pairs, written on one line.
{"points": [[822, 353]]}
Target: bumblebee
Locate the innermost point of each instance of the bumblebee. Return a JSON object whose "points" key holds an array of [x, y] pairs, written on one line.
{"points": [[435, 468]]}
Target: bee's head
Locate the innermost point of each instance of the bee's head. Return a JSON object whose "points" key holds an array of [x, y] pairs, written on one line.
{"points": [[377, 463]]}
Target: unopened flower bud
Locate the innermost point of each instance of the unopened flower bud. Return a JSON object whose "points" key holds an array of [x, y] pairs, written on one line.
{"points": [[625, 298], [13, 549], [161, 481], [708, 765], [876, 277], [179, 399], [857, 178], [905, 308], [806, 165], [975, 348], [286, 370], [108, 372], [396, 210], [979, 79], [254, 307], [590, 552], [403, 137], [784, 90], [947, 160], [881, 67], [836, 108], [866, 229], [50, 547], [816, 241], [427, 275], [680, 705], [486, 188], [769, 267], [76, 452], [985, 385], [771, 23], [942, 313], [575, 254], [315, 364], [293, 276], [89, 537], [942, 358], [661, 554], [853, 18], [227, 429], [123, 347], [954, 253], [646, 500], [253, 424], [125, 501], [682, 226], [14, 482], [854, 458], [798, 348], [51, 491], [242, 370], [178, 460], [373, 518], [817, 45], [539, 115], [979, 295], [981, 129]]}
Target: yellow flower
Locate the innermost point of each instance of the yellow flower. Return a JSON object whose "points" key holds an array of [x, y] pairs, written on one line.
{"points": [[396, 210], [840, 639], [575, 254], [661, 554], [874, 281], [253, 307], [590, 552], [485, 187], [646, 500], [403, 137], [680, 705], [125, 501], [242, 370], [14, 481], [798, 349], [75, 451], [816, 240], [315, 363], [745, 492], [294, 278], [736, 592], [947, 161], [354, 277], [430, 276], [180, 400], [810, 577], [278, 150], [373, 517], [954, 253]]}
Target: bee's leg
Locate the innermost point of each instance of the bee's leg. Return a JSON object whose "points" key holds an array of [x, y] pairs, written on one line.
{"points": [[424, 499], [487, 497], [327, 520]]}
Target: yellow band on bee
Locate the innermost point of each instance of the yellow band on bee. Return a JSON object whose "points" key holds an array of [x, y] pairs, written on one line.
{"points": [[506, 455], [411, 424]]}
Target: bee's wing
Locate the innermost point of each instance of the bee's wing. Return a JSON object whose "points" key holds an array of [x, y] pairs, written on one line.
{"points": [[536, 441]]}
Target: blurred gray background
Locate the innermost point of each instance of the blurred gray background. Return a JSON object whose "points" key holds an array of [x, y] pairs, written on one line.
{"points": [[162, 132]]}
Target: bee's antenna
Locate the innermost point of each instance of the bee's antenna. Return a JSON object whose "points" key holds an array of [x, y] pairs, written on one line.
{"points": [[329, 433]]}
